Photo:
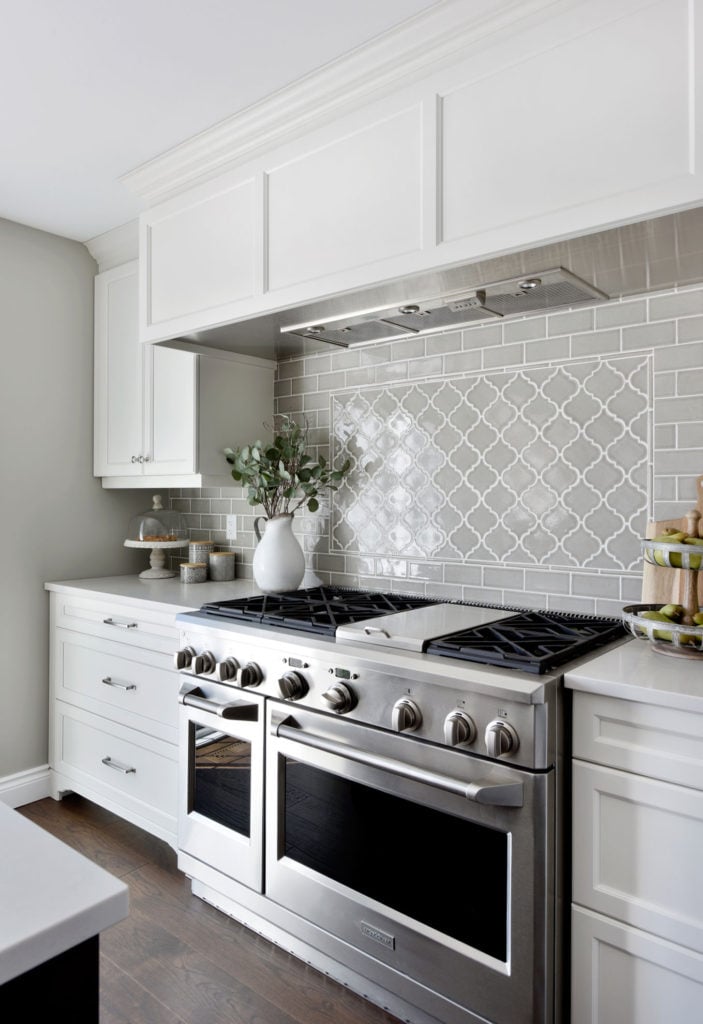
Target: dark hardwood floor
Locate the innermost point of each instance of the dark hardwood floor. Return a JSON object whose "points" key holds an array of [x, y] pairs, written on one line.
{"points": [[177, 960]]}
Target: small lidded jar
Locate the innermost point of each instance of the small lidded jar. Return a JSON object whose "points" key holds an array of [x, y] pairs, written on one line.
{"points": [[193, 572], [199, 550], [221, 565]]}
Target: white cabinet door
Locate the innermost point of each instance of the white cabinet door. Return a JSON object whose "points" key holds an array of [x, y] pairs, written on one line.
{"points": [[200, 250], [119, 376], [145, 397], [171, 422], [637, 846], [599, 117], [623, 976], [352, 202]]}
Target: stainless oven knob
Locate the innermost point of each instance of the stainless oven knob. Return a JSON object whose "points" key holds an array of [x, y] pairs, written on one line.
{"points": [[250, 675], [501, 738], [204, 663], [406, 715], [459, 728], [339, 698], [183, 658], [227, 669], [292, 685]]}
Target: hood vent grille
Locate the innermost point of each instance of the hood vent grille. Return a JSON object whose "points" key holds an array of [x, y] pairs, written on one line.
{"points": [[543, 291]]}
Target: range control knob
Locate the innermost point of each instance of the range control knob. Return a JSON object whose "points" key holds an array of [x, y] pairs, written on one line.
{"points": [[339, 698], [292, 685], [406, 715], [250, 674], [183, 658], [227, 669], [204, 663], [501, 738], [459, 728]]}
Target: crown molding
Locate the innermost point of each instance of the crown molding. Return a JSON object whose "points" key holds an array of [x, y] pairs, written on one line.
{"points": [[401, 56], [115, 247]]}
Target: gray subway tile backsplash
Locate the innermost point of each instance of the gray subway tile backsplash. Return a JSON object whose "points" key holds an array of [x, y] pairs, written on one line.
{"points": [[520, 493]]}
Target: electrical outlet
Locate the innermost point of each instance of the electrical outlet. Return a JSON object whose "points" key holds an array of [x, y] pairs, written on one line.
{"points": [[231, 527]]}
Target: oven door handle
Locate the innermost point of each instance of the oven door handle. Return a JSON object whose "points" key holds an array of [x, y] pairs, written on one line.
{"points": [[240, 710], [481, 791]]}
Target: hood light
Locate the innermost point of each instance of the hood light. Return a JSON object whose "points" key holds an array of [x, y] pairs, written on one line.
{"points": [[317, 329], [529, 283], [408, 310]]}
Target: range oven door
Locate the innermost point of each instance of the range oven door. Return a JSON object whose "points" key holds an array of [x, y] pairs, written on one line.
{"points": [[221, 781], [435, 862]]}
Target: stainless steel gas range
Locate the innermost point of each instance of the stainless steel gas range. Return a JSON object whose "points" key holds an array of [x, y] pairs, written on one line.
{"points": [[376, 782]]}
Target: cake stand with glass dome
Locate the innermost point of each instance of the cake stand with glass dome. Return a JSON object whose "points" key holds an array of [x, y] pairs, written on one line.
{"points": [[161, 530]]}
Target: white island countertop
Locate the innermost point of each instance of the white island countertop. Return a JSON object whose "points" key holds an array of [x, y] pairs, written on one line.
{"points": [[166, 595], [635, 671], [51, 897]]}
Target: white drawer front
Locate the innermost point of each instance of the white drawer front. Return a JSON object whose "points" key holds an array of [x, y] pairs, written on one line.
{"points": [[623, 976], [661, 743], [123, 623], [131, 769], [637, 847], [136, 687]]}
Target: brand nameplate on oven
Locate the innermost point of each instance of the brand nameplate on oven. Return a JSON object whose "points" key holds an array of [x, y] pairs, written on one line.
{"points": [[378, 936]]}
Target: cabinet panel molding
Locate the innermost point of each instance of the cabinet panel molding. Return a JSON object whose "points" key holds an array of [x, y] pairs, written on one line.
{"points": [[352, 202]]}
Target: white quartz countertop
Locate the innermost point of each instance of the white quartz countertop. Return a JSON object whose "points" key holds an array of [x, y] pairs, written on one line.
{"points": [[51, 897], [169, 594], [635, 671]]}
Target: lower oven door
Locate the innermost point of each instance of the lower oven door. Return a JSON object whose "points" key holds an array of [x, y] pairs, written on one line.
{"points": [[435, 862], [221, 761]]}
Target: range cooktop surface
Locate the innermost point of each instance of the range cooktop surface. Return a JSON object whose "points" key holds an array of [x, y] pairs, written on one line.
{"points": [[318, 610], [533, 641]]}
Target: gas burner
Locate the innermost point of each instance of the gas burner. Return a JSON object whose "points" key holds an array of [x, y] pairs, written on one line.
{"points": [[318, 610], [535, 642]]}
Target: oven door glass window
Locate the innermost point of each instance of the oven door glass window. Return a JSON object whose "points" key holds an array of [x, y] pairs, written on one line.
{"points": [[449, 873], [222, 778]]}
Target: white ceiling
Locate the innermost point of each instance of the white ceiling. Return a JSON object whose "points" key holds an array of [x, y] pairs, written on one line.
{"points": [[91, 89]]}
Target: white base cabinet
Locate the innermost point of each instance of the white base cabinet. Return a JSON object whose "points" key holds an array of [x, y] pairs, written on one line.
{"points": [[637, 911], [162, 417], [113, 709]]}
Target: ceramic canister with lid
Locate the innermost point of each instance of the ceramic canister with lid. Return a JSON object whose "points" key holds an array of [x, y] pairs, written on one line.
{"points": [[199, 550], [221, 565], [193, 572]]}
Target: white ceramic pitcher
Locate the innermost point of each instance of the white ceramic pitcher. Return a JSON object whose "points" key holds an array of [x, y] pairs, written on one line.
{"points": [[279, 562]]}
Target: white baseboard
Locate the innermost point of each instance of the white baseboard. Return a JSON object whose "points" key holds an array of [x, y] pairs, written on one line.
{"points": [[25, 787]]}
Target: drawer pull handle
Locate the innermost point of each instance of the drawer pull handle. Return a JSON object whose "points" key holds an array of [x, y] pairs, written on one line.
{"points": [[118, 767], [122, 625], [120, 686]]}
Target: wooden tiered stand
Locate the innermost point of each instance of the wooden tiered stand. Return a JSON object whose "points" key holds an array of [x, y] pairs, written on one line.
{"points": [[672, 575]]}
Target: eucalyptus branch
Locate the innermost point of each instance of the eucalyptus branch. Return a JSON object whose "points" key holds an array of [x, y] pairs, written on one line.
{"points": [[281, 476]]}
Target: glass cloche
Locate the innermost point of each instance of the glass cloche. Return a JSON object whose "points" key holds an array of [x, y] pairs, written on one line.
{"points": [[159, 529]]}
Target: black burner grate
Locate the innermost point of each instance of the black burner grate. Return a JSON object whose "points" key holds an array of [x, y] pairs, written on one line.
{"points": [[535, 642], [317, 610]]}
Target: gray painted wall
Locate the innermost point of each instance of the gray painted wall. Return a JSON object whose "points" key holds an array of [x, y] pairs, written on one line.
{"points": [[56, 520]]}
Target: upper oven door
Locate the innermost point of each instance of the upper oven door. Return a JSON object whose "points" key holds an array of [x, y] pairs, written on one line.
{"points": [[438, 863], [221, 785]]}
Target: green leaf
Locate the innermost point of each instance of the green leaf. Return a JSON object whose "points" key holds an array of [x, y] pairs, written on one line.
{"points": [[313, 504]]}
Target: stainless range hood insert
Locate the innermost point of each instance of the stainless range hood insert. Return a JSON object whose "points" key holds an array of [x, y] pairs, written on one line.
{"points": [[539, 292]]}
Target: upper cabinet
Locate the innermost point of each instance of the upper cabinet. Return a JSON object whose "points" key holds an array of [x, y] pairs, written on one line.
{"points": [[162, 417], [480, 128]]}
